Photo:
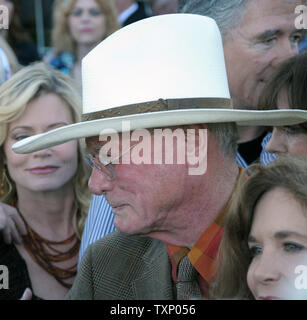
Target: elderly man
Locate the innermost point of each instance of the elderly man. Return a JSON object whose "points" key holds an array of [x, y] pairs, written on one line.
{"points": [[257, 36], [169, 199]]}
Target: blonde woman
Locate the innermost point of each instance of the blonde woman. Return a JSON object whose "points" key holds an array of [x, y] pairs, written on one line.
{"points": [[79, 25], [47, 188]]}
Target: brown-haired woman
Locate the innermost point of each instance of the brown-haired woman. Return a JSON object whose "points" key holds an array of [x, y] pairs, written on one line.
{"points": [[263, 254]]}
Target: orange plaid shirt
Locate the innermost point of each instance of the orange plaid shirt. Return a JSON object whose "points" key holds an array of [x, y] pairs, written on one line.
{"points": [[203, 254]]}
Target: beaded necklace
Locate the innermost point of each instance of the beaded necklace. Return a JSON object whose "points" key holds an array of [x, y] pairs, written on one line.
{"points": [[37, 247]]}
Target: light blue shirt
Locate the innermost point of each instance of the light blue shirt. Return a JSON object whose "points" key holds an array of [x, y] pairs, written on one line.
{"points": [[100, 218]]}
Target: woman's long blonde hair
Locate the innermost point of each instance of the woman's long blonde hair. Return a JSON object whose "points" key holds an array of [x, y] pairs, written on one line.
{"points": [[234, 256], [61, 36], [26, 85]]}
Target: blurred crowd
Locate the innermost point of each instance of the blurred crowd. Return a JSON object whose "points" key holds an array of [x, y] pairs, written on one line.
{"points": [[73, 32]]}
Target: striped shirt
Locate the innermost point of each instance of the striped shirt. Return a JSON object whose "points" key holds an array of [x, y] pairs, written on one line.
{"points": [[266, 157], [100, 218]]}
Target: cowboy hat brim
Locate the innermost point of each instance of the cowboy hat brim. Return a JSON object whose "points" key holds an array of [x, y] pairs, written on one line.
{"points": [[159, 120]]}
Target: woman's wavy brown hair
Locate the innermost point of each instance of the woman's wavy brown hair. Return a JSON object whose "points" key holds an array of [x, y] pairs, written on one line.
{"points": [[234, 256]]}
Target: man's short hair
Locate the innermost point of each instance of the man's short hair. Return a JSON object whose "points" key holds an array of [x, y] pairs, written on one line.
{"points": [[226, 135], [227, 14]]}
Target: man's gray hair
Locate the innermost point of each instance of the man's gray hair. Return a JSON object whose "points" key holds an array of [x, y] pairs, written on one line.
{"points": [[228, 14], [226, 135]]}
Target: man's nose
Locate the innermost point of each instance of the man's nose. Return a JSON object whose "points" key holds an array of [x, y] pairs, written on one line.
{"points": [[98, 183], [277, 143]]}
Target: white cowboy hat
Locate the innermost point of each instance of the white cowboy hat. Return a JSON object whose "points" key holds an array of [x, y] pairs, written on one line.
{"points": [[162, 71]]}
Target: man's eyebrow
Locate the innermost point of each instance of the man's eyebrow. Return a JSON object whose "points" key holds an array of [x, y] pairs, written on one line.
{"points": [[268, 34]]}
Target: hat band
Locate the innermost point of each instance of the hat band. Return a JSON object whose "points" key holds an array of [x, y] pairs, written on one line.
{"points": [[160, 105]]}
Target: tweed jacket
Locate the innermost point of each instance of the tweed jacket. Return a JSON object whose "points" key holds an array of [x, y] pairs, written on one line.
{"points": [[121, 267]]}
